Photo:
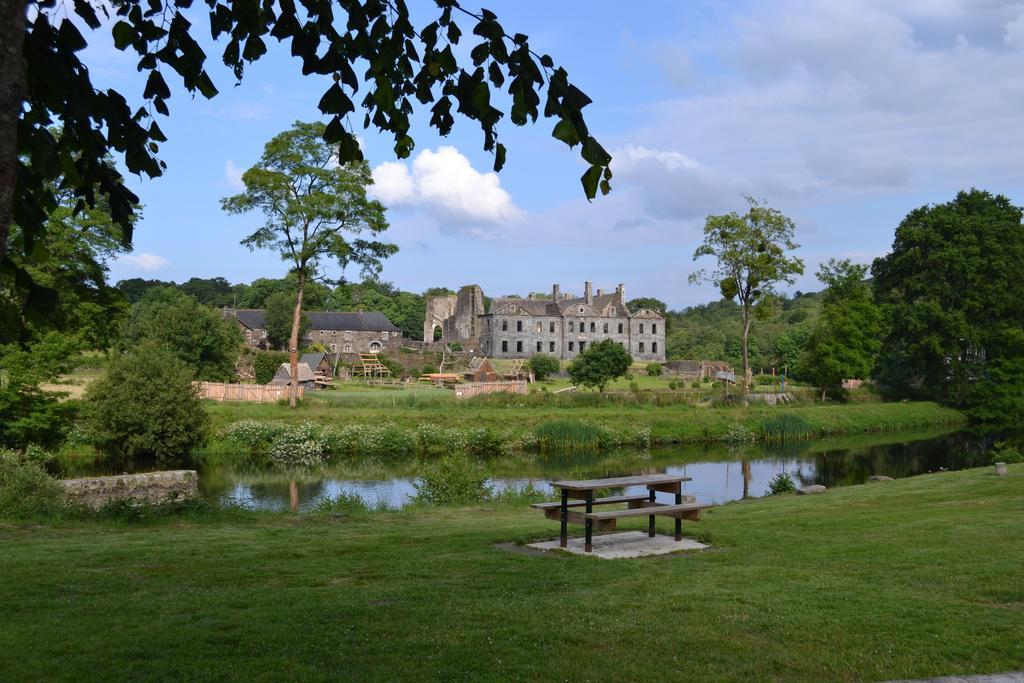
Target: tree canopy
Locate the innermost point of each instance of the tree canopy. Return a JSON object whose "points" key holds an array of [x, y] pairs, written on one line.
{"points": [[602, 362], [846, 341], [368, 45], [954, 300]]}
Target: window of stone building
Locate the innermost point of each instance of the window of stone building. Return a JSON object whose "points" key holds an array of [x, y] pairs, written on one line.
{"points": [[583, 345], [538, 347], [519, 326], [551, 328], [334, 347], [593, 327], [348, 336], [654, 328], [374, 347], [641, 328], [519, 347], [348, 347], [570, 326], [504, 347], [334, 332], [641, 347], [540, 327], [551, 347], [606, 328], [654, 347], [570, 346]]}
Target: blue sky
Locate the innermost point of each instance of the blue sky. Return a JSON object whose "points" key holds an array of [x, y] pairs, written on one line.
{"points": [[843, 115]]}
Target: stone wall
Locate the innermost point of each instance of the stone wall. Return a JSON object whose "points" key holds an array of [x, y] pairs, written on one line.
{"points": [[150, 488], [348, 341]]}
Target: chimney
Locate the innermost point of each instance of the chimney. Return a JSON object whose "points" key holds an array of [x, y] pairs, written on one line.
{"points": [[588, 292], [621, 291], [556, 292], [600, 292]]}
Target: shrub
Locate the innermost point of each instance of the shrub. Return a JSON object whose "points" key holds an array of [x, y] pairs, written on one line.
{"points": [[145, 405], [738, 433], [542, 365], [654, 369], [255, 435], [785, 427], [782, 483], [266, 363], [297, 446], [672, 385], [1004, 452], [26, 490], [765, 380], [695, 385], [452, 480], [344, 502]]}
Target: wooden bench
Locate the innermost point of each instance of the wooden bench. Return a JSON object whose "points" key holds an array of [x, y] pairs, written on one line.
{"points": [[554, 510]]}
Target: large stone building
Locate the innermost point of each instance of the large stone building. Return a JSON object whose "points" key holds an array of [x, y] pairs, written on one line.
{"points": [[562, 326], [341, 332]]}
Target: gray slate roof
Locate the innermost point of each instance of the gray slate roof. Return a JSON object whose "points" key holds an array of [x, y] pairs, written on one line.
{"points": [[373, 321], [312, 359]]}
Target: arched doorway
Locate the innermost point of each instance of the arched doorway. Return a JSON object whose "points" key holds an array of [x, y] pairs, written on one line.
{"points": [[375, 347], [438, 333]]}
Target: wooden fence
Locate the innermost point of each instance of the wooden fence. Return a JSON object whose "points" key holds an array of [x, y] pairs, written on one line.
{"points": [[476, 388], [256, 393]]}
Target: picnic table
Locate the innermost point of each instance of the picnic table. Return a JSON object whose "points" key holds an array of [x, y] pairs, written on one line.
{"points": [[637, 505]]}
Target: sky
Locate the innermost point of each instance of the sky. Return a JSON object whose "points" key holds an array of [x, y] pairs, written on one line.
{"points": [[843, 115]]}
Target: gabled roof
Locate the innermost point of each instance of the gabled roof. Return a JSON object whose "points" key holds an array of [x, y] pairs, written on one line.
{"points": [[285, 372], [313, 359], [373, 321]]}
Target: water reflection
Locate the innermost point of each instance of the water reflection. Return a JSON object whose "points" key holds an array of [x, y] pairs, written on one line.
{"points": [[718, 473]]}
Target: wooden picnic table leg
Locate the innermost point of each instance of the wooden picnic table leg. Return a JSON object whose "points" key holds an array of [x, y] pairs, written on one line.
{"points": [[590, 523], [679, 520], [650, 518], [563, 539]]}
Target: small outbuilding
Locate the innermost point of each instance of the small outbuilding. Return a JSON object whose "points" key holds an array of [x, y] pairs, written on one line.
{"points": [[480, 370], [283, 377], [318, 362]]}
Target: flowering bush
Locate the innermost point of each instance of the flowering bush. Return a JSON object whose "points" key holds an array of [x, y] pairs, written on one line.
{"points": [[298, 446]]}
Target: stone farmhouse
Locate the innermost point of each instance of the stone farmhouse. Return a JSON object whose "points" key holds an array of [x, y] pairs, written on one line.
{"points": [[341, 332], [561, 326]]}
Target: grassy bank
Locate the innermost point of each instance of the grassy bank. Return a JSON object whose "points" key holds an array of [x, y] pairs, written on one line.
{"points": [[517, 422], [911, 578]]}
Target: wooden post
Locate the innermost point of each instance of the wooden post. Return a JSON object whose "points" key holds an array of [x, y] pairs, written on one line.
{"points": [[587, 547], [650, 518], [679, 521], [563, 539]]}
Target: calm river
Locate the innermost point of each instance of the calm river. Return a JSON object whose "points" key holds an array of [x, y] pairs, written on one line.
{"points": [[719, 472]]}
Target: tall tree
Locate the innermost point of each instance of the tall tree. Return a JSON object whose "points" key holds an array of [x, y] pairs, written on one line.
{"points": [[43, 80], [278, 318], [848, 336], [316, 212], [752, 260], [951, 290]]}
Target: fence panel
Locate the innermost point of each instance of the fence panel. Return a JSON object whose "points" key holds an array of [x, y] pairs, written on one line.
{"points": [[253, 393], [476, 388]]}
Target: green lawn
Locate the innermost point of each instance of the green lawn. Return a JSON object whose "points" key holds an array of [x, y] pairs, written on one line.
{"points": [[911, 578]]}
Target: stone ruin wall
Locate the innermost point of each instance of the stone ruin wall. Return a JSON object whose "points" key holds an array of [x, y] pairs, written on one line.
{"points": [[456, 315], [151, 488]]}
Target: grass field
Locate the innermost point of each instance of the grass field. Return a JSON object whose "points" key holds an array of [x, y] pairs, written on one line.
{"points": [[911, 578]]}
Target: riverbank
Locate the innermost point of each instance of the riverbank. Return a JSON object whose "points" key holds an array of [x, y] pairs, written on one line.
{"points": [[345, 429], [905, 579]]}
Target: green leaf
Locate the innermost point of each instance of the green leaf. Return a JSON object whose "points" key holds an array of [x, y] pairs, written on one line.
{"points": [[124, 34], [594, 153], [590, 180], [499, 157], [566, 132], [206, 86]]}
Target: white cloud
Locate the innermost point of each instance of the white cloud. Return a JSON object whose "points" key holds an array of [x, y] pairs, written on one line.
{"points": [[144, 261], [233, 176], [1014, 33], [446, 186]]}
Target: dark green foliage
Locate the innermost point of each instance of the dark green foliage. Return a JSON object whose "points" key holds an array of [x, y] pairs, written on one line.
{"points": [[650, 303], [786, 427], [1004, 452], [542, 365], [146, 407], [400, 65], [29, 415], [266, 363], [954, 300], [602, 362], [782, 483], [196, 334], [848, 336], [279, 318], [654, 369], [452, 480], [26, 490]]}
